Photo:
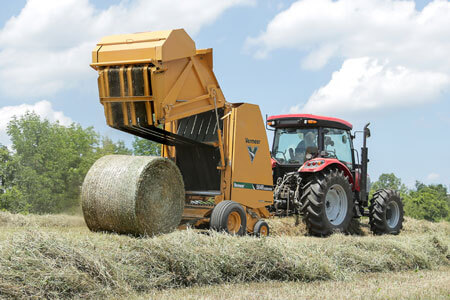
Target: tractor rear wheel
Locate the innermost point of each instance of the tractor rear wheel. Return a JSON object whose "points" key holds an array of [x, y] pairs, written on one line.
{"points": [[230, 217], [386, 212], [330, 207]]}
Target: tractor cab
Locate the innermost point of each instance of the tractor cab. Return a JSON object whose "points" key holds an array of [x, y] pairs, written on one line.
{"points": [[299, 138]]}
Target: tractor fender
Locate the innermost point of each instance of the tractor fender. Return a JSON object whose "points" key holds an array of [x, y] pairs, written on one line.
{"points": [[319, 164], [273, 162]]}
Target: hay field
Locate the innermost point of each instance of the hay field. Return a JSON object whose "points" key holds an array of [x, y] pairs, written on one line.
{"points": [[57, 257]]}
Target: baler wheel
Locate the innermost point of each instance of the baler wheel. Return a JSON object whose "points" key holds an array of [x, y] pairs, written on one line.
{"points": [[386, 212], [261, 228], [230, 217], [330, 208]]}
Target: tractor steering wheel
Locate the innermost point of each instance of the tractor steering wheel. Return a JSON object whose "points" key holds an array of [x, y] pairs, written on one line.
{"points": [[284, 154]]}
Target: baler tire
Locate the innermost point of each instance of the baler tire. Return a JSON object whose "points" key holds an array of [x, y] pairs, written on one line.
{"points": [[227, 212], [384, 205], [261, 228], [316, 193]]}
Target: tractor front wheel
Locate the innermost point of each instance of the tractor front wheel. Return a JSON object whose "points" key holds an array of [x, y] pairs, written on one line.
{"points": [[386, 212], [330, 207]]}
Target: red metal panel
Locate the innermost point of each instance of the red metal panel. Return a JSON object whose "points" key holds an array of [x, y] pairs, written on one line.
{"points": [[328, 162], [309, 116]]}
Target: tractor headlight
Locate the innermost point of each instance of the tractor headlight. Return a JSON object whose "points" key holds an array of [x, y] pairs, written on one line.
{"points": [[313, 164]]}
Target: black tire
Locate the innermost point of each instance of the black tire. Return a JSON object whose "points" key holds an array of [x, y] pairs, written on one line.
{"points": [[386, 212], [317, 218], [226, 212], [261, 228]]}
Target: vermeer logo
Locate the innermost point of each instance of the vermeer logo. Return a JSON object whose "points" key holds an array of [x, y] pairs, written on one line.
{"points": [[252, 152], [251, 141]]}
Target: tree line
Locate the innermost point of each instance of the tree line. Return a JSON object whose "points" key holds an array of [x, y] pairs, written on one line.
{"points": [[46, 165]]}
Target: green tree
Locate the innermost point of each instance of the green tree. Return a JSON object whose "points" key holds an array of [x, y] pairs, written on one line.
{"points": [[11, 198], [110, 147], [51, 162], [429, 202], [388, 181], [6, 173], [145, 147]]}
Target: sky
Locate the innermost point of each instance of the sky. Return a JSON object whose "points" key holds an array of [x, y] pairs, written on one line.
{"points": [[380, 61]]}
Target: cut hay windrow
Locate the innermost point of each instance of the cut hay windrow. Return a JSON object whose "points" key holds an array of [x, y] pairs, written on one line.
{"points": [[8, 219], [139, 195], [64, 264]]}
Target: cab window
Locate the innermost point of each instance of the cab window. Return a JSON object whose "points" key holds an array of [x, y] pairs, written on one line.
{"points": [[291, 145], [337, 144]]}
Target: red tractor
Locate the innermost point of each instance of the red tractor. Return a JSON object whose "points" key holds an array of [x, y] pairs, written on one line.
{"points": [[318, 174]]}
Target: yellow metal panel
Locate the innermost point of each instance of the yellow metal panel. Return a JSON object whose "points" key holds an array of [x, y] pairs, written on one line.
{"points": [[122, 53], [106, 81], [122, 94], [177, 45], [251, 169], [130, 94], [173, 90], [227, 141], [94, 54], [145, 46], [126, 99], [122, 82], [101, 85], [135, 37], [207, 55], [171, 96], [146, 82], [130, 82], [191, 211], [148, 108]]}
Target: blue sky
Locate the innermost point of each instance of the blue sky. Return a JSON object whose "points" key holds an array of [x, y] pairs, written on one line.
{"points": [[379, 61]]}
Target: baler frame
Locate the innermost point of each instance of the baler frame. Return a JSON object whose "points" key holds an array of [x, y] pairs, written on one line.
{"points": [[158, 86]]}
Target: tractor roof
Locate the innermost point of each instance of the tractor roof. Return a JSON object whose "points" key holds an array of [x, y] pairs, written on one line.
{"points": [[302, 120]]}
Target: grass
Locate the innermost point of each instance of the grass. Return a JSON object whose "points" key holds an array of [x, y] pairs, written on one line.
{"points": [[424, 284], [57, 257], [18, 220]]}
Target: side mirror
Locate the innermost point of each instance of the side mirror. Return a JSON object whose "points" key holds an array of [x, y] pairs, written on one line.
{"points": [[344, 139], [367, 130], [328, 141]]}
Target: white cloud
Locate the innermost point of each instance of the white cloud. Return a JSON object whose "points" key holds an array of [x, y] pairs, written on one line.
{"points": [[42, 108], [47, 46], [368, 85], [385, 29], [433, 177], [400, 55]]}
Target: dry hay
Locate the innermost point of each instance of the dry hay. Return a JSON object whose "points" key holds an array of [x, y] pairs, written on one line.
{"points": [[55, 265], [8, 219], [139, 195], [51, 263], [287, 226]]}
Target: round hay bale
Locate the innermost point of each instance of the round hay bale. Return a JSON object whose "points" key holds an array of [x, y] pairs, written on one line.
{"points": [[139, 195]]}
